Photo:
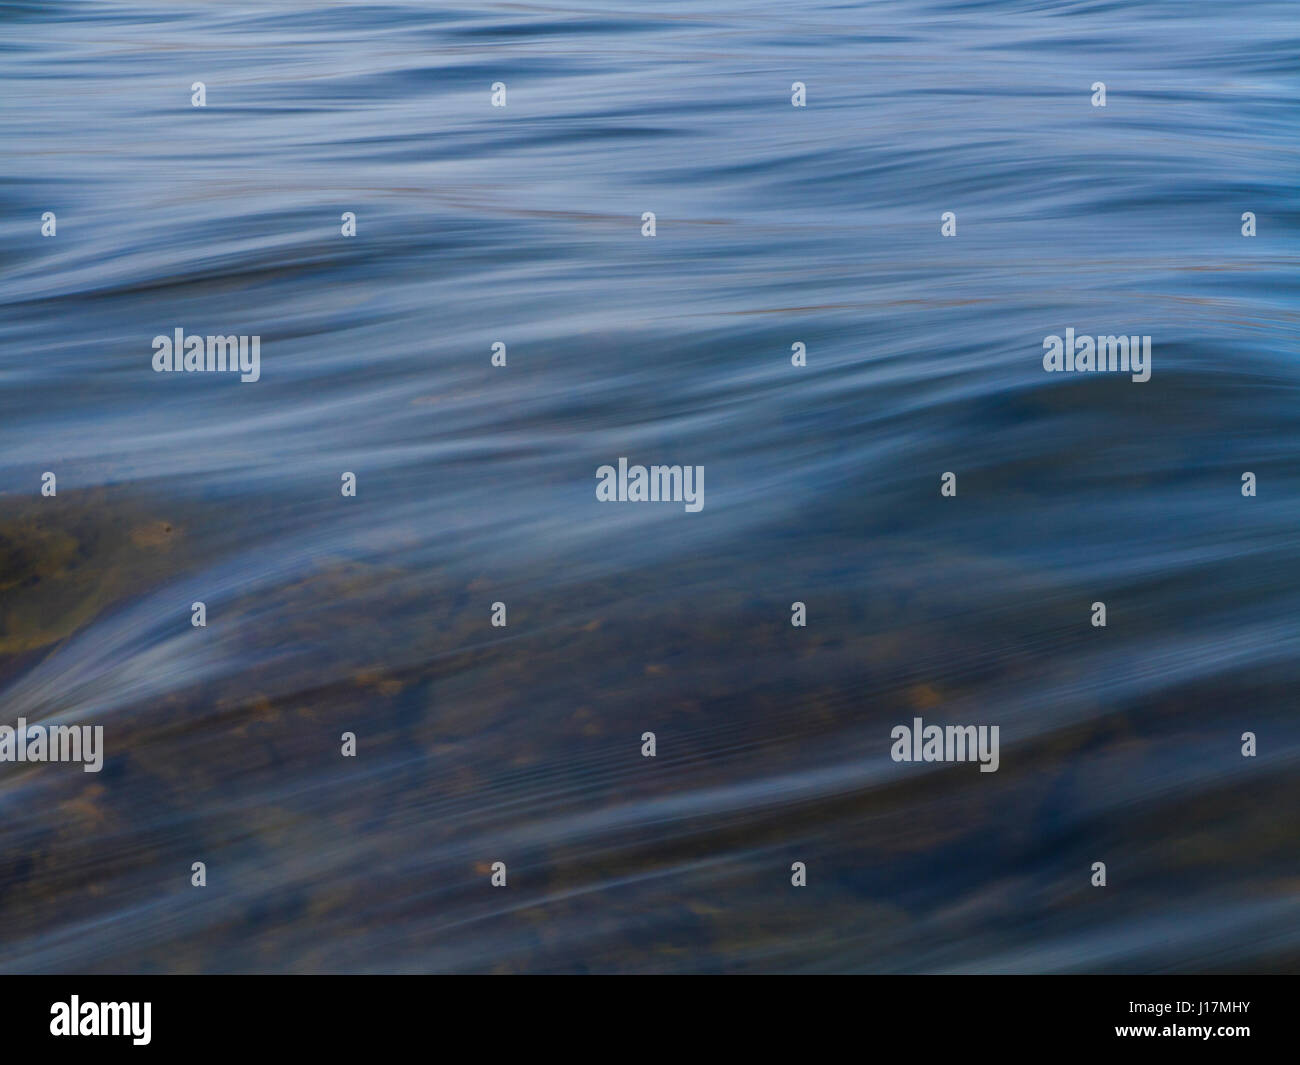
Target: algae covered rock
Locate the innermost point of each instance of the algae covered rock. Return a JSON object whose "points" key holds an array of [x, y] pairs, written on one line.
{"points": [[64, 561]]}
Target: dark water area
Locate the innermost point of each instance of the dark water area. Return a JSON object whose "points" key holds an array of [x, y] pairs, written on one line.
{"points": [[776, 225]]}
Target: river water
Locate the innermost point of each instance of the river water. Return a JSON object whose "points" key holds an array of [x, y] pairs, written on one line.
{"points": [[775, 225]]}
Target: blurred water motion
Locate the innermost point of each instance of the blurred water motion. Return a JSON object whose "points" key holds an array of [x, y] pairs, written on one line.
{"points": [[775, 225]]}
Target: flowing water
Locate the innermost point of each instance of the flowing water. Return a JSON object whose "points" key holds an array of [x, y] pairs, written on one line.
{"points": [[776, 225]]}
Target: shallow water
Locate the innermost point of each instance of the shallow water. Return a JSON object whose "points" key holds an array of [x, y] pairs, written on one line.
{"points": [[775, 225]]}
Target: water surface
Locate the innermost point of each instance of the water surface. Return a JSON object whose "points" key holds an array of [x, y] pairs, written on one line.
{"points": [[775, 225]]}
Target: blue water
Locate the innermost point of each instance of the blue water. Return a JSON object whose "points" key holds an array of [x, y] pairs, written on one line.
{"points": [[775, 225]]}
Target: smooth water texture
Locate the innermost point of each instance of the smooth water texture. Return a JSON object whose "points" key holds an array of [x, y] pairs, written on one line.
{"points": [[775, 225]]}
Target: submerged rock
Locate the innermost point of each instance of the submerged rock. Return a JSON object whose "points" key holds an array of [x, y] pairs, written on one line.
{"points": [[63, 561]]}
